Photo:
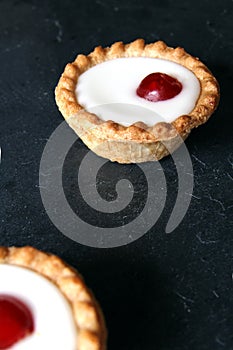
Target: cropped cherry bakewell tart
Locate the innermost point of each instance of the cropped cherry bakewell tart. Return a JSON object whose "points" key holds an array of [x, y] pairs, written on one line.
{"points": [[45, 304], [135, 102]]}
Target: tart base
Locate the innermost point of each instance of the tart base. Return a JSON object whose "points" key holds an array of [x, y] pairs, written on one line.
{"points": [[126, 151]]}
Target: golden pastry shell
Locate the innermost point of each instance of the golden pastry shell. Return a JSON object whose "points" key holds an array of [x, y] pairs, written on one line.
{"points": [[94, 131], [86, 311]]}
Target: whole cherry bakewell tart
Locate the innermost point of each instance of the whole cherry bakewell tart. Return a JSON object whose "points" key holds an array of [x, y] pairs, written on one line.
{"points": [[45, 304], [136, 102]]}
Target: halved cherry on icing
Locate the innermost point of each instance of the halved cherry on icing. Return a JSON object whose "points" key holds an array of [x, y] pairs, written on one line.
{"points": [[16, 321], [159, 87]]}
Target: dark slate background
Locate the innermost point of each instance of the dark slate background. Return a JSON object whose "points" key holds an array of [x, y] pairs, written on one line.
{"points": [[163, 291]]}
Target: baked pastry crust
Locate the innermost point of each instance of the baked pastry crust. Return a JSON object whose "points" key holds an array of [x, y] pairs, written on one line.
{"points": [[87, 313], [137, 142]]}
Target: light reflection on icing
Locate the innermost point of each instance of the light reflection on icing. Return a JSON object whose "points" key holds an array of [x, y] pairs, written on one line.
{"points": [[52, 315], [116, 81]]}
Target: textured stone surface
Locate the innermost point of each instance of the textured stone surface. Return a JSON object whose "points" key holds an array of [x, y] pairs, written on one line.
{"points": [[164, 291]]}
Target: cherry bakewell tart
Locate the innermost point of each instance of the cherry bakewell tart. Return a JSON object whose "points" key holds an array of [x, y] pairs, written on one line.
{"points": [[135, 102], [45, 304]]}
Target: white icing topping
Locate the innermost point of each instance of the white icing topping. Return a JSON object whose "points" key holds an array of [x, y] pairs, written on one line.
{"points": [[54, 326], [109, 90]]}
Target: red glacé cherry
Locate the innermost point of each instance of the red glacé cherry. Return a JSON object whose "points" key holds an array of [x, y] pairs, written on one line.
{"points": [[159, 87], [16, 321]]}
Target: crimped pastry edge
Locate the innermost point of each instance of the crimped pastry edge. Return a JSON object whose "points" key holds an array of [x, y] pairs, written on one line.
{"points": [[98, 132], [88, 316]]}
